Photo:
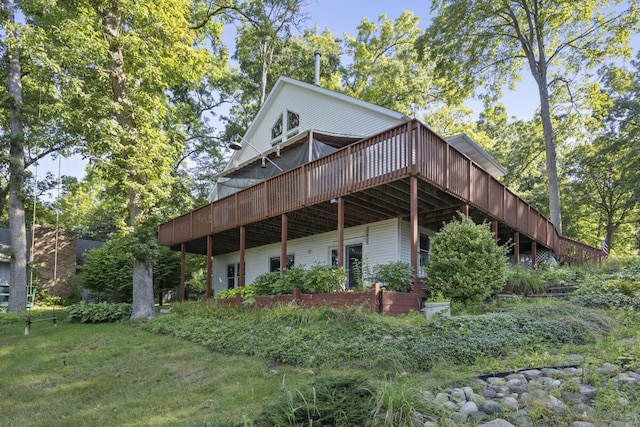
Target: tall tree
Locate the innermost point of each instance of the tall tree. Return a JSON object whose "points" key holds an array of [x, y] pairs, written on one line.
{"points": [[385, 69], [489, 42], [604, 179], [18, 277], [266, 25], [126, 57]]}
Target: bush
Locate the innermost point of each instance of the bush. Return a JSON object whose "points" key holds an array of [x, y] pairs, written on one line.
{"points": [[328, 400], [265, 283], [395, 276], [98, 313], [322, 278], [244, 291], [524, 281], [465, 264]]}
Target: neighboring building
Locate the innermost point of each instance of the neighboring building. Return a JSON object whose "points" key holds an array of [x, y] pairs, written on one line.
{"points": [[321, 177], [55, 259]]}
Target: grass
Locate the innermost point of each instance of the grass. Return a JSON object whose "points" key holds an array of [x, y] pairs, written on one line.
{"points": [[120, 374], [114, 374]]}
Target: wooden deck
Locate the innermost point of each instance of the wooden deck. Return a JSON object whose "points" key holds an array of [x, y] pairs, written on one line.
{"points": [[373, 177]]}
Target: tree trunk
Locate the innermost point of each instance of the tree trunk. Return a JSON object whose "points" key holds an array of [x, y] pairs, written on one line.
{"points": [[550, 151], [17, 228], [143, 303]]}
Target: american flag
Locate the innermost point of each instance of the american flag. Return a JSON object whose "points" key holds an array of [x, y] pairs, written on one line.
{"points": [[605, 247]]}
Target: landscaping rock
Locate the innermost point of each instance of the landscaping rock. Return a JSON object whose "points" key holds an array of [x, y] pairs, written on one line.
{"points": [[556, 406], [491, 407], [608, 369], [468, 408], [520, 392], [498, 422]]}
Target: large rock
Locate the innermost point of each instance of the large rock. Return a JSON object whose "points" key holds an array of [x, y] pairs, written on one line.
{"points": [[498, 422], [491, 407]]}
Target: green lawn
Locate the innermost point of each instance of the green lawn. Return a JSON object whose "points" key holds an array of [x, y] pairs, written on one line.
{"points": [[116, 375]]}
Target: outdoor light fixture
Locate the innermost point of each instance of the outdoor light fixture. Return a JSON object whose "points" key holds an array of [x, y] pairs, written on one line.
{"points": [[237, 145]]}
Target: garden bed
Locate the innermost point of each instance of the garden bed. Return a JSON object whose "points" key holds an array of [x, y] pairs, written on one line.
{"points": [[376, 299]]}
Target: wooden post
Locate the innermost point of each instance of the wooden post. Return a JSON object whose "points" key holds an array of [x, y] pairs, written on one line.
{"points": [[414, 229], [464, 209], [283, 242], [209, 266], [183, 254], [534, 253], [494, 230], [516, 248], [340, 232], [242, 250]]}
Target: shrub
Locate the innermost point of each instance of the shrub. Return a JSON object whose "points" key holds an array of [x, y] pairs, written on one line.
{"points": [[396, 276], [465, 264], [244, 291], [293, 277], [322, 278], [328, 400], [264, 283], [98, 313], [524, 281]]}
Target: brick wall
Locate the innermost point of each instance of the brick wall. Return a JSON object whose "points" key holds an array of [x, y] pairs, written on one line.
{"points": [[55, 277]]}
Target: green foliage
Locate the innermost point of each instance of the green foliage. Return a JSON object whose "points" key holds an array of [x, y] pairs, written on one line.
{"points": [[107, 270], [465, 264], [401, 403], [292, 278], [395, 276], [244, 291], [610, 287], [524, 281], [318, 279], [356, 338], [332, 400], [323, 278], [265, 283], [98, 313], [385, 69]]}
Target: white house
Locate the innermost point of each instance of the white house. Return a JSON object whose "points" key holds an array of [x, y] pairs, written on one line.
{"points": [[321, 177]]}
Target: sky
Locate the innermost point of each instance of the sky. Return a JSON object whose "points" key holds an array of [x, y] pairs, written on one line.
{"points": [[343, 16]]}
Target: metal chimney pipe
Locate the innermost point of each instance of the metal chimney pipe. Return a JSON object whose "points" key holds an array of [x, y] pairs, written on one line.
{"points": [[317, 55]]}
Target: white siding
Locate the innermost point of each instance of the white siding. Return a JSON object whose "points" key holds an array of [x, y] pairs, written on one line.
{"points": [[379, 245], [317, 112]]}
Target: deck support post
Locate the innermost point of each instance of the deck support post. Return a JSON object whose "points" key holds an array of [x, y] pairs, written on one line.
{"points": [[414, 230], [283, 243], [464, 209], [534, 253], [183, 255], [516, 248], [207, 294], [494, 230], [242, 250], [340, 232]]}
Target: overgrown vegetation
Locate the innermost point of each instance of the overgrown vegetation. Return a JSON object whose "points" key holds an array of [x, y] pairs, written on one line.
{"points": [[98, 313], [465, 264], [320, 278], [395, 276], [356, 338]]}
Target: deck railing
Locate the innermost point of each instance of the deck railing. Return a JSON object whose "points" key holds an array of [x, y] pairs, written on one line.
{"points": [[389, 156]]}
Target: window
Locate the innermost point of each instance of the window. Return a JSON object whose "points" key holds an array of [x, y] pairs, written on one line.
{"points": [[233, 275], [274, 262], [293, 120], [282, 127], [276, 130]]}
